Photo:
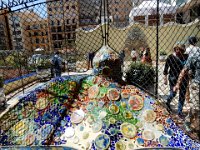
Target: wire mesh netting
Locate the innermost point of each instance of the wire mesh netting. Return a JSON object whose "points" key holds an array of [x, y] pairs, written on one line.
{"points": [[152, 45]]}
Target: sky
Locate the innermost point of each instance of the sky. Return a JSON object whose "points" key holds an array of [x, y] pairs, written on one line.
{"points": [[20, 6], [31, 3], [40, 9], [40, 1]]}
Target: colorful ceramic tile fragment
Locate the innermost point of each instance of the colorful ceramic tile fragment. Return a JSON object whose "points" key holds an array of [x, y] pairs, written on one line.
{"points": [[114, 109], [113, 94], [120, 145], [77, 116], [128, 130], [149, 116], [148, 135], [102, 141], [136, 102]]}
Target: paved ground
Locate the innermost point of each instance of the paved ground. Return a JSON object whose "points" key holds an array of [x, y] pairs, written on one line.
{"points": [[163, 91]]}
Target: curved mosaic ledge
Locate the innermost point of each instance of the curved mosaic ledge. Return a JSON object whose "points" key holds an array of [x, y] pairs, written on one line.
{"points": [[52, 122]]}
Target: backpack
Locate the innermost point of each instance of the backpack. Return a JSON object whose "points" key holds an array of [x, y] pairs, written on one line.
{"points": [[56, 63]]}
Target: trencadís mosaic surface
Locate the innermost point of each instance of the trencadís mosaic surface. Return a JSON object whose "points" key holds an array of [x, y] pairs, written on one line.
{"points": [[91, 113]]}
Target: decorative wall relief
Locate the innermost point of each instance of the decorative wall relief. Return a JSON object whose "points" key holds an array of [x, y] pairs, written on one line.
{"points": [[136, 39]]}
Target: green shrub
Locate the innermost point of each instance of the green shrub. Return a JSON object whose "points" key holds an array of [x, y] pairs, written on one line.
{"points": [[1, 81], [140, 74], [10, 60], [2, 63], [163, 53], [16, 60], [43, 64]]}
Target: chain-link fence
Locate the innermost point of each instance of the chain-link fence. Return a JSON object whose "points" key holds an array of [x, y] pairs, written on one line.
{"points": [[155, 40]]}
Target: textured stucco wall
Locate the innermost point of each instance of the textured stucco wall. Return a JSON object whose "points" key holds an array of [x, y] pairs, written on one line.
{"points": [[168, 35], [12, 86]]}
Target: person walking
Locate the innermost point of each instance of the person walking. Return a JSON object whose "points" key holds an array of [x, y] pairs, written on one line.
{"points": [[90, 59], [192, 64], [134, 55], [57, 64], [146, 57], [175, 63], [122, 56], [191, 50]]}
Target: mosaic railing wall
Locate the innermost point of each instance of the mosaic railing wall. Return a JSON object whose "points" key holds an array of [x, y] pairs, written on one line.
{"points": [[91, 112], [145, 38]]}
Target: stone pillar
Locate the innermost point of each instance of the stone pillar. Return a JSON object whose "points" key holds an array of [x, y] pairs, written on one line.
{"points": [[161, 19], [146, 20]]}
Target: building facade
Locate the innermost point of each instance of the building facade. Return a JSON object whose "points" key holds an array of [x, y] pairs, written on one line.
{"points": [[63, 20], [28, 31], [119, 12], [5, 38], [35, 33], [89, 12], [16, 30], [65, 16]]}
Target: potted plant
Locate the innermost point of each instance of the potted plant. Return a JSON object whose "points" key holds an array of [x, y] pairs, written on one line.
{"points": [[141, 75], [162, 56]]}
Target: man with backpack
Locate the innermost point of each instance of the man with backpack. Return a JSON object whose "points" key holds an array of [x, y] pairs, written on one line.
{"points": [[57, 64]]}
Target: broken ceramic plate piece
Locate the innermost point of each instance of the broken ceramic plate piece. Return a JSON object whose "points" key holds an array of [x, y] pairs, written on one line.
{"points": [[77, 116]]}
